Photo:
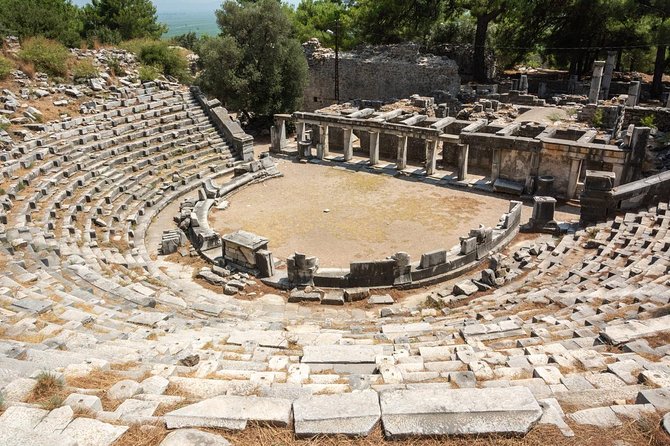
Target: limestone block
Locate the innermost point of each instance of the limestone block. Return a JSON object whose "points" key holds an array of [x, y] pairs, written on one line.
{"points": [[465, 287], [348, 414], [193, 437], [79, 401], [21, 417], [440, 410], [132, 409], [19, 389], [124, 389], [655, 378], [602, 417], [660, 398], [93, 432], [231, 412], [155, 385], [56, 420]]}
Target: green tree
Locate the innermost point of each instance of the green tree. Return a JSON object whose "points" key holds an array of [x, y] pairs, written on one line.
{"points": [[54, 19], [658, 12], [484, 13], [393, 21], [254, 66], [110, 21], [315, 18]]}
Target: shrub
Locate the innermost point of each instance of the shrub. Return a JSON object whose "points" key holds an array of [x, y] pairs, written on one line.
{"points": [[597, 120], [5, 67], [167, 60], [148, 73], [46, 55], [555, 117], [83, 70], [115, 66], [648, 121]]}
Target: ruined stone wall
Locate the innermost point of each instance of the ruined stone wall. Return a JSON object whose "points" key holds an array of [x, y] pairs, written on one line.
{"points": [[633, 115], [379, 73]]}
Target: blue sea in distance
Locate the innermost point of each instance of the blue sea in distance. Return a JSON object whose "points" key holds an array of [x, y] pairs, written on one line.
{"points": [[200, 22], [183, 16]]}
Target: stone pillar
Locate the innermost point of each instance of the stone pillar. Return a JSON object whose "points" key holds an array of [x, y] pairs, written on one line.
{"points": [[607, 73], [523, 83], [431, 156], [463, 153], [401, 161], [575, 167], [374, 148], [594, 93], [348, 144], [532, 171], [304, 149], [543, 210], [633, 94], [300, 131], [278, 136], [322, 149], [495, 164]]}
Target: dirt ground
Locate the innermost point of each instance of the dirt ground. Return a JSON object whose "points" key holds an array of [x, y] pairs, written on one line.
{"points": [[340, 215]]}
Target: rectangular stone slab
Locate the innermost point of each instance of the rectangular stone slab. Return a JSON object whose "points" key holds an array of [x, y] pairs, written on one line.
{"points": [[449, 411], [343, 354], [231, 412], [352, 414], [630, 330]]}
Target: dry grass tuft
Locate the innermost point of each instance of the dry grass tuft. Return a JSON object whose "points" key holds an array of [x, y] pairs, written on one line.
{"points": [[644, 432], [97, 379], [124, 366], [83, 412], [659, 340], [49, 391], [143, 435]]}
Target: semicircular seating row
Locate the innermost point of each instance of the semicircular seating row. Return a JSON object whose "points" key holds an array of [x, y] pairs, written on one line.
{"points": [[78, 285]]}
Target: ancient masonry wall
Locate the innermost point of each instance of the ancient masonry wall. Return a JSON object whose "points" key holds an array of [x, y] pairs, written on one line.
{"points": [[382, 73]]}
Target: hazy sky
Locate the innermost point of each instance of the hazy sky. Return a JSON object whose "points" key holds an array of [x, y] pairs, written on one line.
{"points": [[181, 5]]}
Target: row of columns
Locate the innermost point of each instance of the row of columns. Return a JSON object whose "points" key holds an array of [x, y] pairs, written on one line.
{"points": [[432, 149]]}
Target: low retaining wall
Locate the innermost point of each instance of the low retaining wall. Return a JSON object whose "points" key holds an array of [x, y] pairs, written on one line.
{"points": [[241, 142], [435, 266], [599, 204], [193, 218]]}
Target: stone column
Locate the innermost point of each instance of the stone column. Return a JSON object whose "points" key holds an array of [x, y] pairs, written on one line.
{"points": [[322, 149], [374, 148], [431, 156], [523, 83], [607, 73], [401, 161], [633, 93], [532, 171], [347, 143], [573, 177], [598, 67], [278, 135], [300, 131], [463, 153], [495, 164]]}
